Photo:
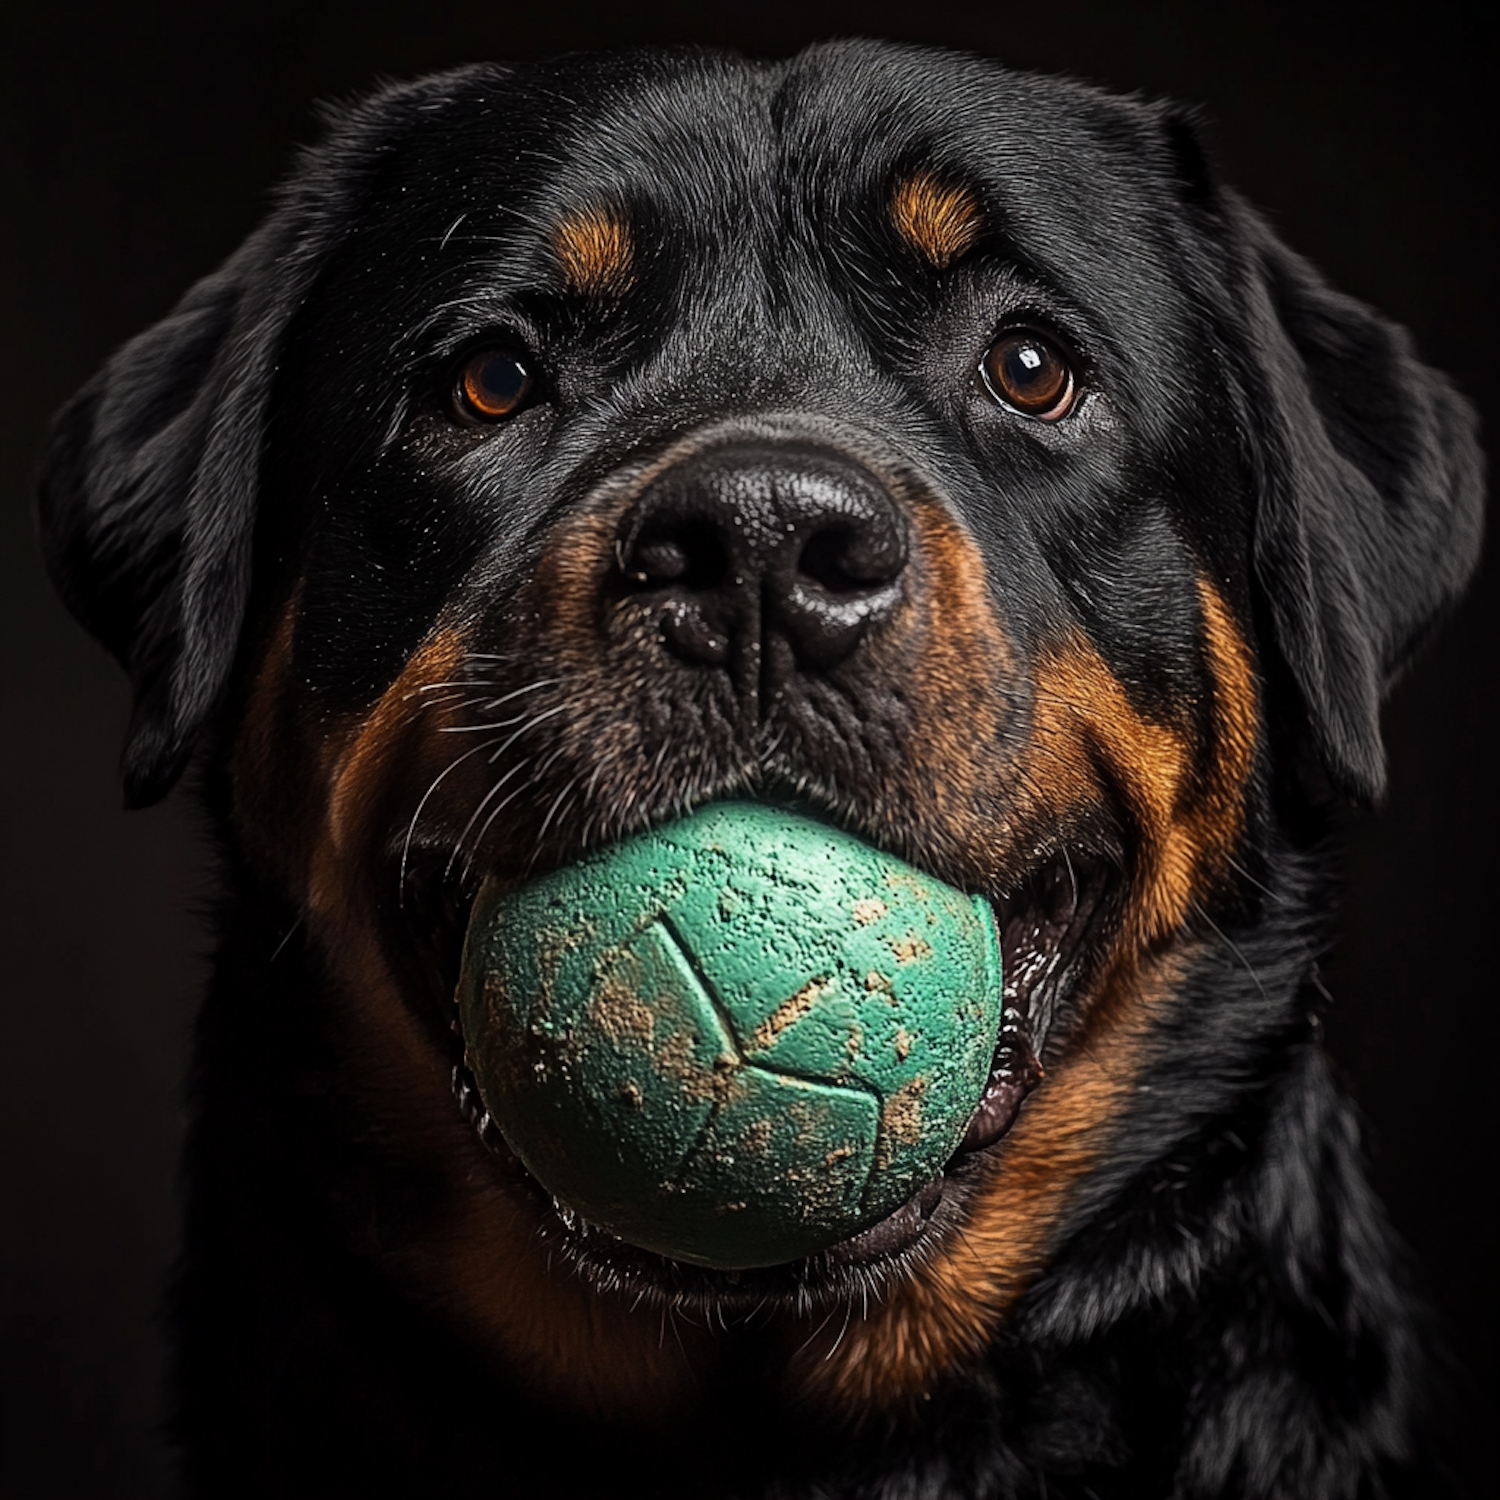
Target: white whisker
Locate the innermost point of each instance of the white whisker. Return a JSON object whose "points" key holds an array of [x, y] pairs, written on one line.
{"points": [[458, 843], [411, 827], [479, 840], [526, 728]]}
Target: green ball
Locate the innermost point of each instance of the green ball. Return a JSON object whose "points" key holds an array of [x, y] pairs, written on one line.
{"points": [[736, 1039]]}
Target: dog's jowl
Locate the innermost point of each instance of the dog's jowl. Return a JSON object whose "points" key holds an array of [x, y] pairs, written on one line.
{"points": [[880, 447]]}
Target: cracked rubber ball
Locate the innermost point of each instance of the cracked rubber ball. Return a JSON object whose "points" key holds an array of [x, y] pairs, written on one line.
{"points": [[736, 1039]]}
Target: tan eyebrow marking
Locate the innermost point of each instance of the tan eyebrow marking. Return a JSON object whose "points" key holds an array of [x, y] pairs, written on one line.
{"points": [[940, 219], [596, 251]]}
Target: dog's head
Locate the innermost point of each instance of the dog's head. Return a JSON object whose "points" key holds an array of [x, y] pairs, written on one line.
{"points": [[935, 447]]}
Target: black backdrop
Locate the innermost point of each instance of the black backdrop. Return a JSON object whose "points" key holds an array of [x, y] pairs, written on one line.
{"points": [[138, 145]]}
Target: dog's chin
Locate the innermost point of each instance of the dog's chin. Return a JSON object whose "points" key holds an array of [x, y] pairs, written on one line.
{"points": [[1050, 927]]}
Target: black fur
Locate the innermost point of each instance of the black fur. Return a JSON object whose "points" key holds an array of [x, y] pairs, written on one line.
{"points": [[1221, 1313]]}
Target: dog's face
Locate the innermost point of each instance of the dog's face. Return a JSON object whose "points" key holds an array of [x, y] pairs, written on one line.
{"points": [[933, 448]]}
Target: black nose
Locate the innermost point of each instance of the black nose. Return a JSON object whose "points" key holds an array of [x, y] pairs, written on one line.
{"points": [[760, 539]]}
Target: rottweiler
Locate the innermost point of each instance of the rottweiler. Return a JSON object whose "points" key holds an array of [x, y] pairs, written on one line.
{"points": [[934, 449]]}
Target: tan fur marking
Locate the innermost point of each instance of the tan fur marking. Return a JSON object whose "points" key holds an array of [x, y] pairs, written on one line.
{"points": [[1087, 734], [953, 664], [940, 219], [358, 765], [1089, 738], [596, 251], [1236, 721]]}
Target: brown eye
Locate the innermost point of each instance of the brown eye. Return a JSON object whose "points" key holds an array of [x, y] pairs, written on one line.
{"points": [[492, 384], [1029, 374]]}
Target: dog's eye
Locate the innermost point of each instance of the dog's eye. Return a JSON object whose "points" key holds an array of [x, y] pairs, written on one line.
{"points": [[491, 385], [1029, 374]]}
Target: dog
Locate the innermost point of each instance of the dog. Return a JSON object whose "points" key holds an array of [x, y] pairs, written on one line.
{"points": [[942, 451]]}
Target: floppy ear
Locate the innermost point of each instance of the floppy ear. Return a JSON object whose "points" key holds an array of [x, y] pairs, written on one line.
{"points": [[149, 485], [147, 499], [1371, 495]]}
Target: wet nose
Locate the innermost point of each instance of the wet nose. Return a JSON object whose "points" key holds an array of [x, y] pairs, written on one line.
{"points": [[754, 538]]}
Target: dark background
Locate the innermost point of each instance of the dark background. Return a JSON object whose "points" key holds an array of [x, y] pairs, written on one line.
{"points": [[137, 147]]}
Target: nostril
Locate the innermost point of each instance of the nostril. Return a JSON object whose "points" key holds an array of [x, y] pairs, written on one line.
{"points": [[691, 554], [841, 561], [660, 562], [824, 559]]}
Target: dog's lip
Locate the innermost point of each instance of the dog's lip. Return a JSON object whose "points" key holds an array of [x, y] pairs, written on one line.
{"points": [[1045, 922], [1044, 927]]}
